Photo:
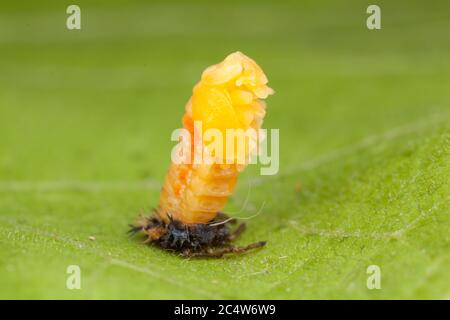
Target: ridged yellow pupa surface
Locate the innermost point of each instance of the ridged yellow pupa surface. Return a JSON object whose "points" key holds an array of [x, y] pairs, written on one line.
{"points": [[228, 96]]}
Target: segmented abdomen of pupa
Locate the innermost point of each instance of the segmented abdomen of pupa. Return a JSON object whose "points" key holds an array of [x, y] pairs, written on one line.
{"points": [[229, 96]]}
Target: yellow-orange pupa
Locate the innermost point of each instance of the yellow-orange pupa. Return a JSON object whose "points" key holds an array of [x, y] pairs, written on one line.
{"points": [[229, 95]]}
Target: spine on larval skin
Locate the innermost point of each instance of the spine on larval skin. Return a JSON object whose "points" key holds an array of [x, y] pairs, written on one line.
{"points": [[229, 96]]}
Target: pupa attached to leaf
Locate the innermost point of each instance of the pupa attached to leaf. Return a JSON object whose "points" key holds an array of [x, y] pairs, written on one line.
{"points": [[189, 218]]}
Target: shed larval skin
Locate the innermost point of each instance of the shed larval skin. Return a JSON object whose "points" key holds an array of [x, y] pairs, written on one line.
{"points": [[229, 96]]}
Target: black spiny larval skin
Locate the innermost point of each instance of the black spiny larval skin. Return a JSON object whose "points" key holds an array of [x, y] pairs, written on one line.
{"points": [[211, 239], [195, 237]]}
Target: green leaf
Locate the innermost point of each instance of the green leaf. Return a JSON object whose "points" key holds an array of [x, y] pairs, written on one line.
{"points": [[85, 123]]}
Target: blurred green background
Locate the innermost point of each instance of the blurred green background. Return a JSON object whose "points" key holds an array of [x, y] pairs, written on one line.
{"points": [[85, 123]]}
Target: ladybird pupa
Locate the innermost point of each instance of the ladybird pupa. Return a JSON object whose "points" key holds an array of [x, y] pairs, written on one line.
{"points": [[188, 219]]}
